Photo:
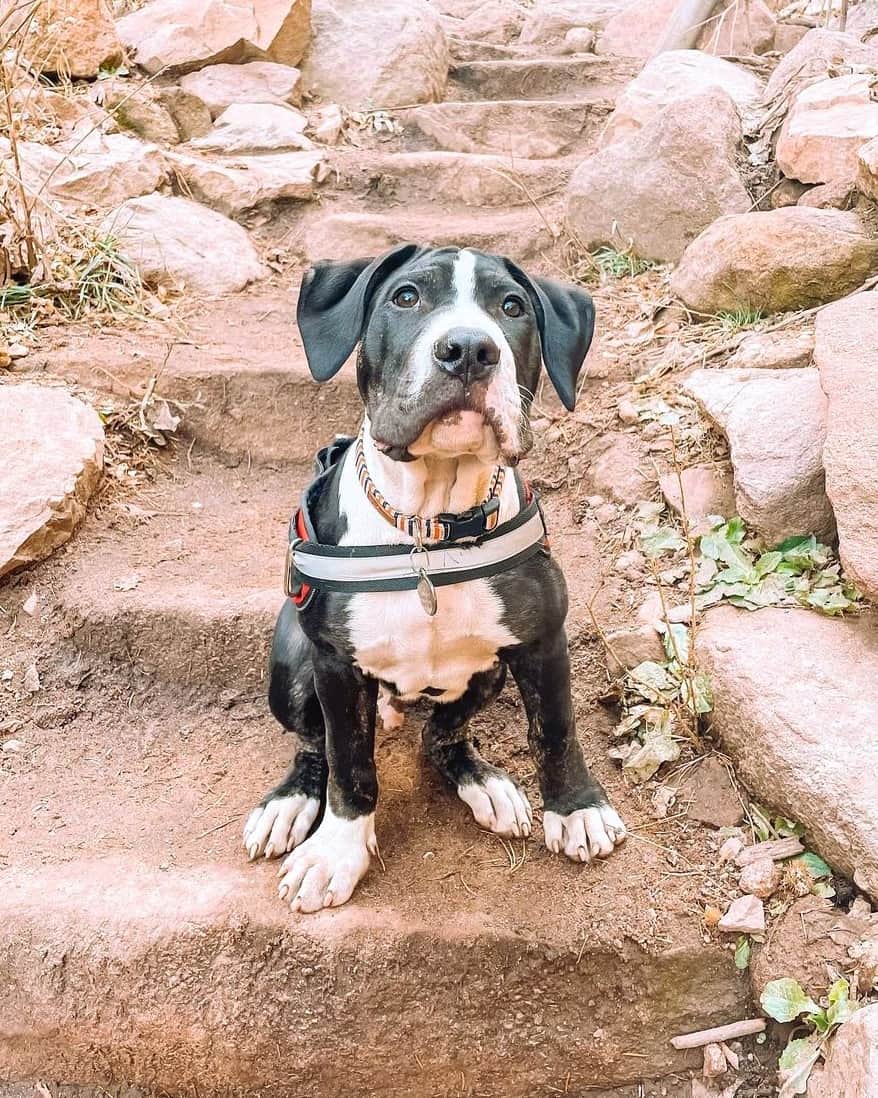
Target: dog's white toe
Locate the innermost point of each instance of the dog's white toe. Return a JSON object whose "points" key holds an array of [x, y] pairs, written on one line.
{"points": [[325, 870], [275, 828], [392, 717], [499, 805], [585, 833]]}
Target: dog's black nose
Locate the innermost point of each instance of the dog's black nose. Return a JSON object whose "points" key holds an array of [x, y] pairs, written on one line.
{"points": [[467, 353]]}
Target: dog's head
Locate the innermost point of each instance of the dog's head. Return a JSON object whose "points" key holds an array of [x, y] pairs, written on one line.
{"points": [[451, 343]]}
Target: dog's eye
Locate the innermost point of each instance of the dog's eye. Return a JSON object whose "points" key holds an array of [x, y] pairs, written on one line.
{"points": [[513, 306], [406, 298]]}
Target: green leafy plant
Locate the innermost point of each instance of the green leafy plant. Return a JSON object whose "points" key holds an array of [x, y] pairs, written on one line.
{"points": [[735, 320], [799, 571], [743, 949], [616, 263], [786, 1001], [811, 872]]}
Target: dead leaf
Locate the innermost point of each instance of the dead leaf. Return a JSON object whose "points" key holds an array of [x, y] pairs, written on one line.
{"points": [[165, 420]]}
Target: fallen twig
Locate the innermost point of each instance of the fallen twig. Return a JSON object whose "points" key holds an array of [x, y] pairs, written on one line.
{"points": [[719, 1033], [776, 849]]}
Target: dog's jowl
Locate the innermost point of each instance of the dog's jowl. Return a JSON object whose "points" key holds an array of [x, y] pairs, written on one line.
{"points": [[419, 565]]}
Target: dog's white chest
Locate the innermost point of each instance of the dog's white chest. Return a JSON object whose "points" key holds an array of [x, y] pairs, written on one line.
{"points": [[396, 641]]}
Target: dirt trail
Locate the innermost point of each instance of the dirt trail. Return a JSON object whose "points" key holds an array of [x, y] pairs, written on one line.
{"points": [[139, 945]]}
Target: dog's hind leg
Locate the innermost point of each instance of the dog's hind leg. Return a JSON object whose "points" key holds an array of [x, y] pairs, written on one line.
{"points": [[496, 801], [287, 813]]}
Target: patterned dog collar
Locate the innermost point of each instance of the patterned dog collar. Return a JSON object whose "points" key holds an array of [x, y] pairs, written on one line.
{"points": [[474, 523]]}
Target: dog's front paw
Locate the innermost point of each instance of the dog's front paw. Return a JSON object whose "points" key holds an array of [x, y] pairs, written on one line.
{"points": [[498, 805], [280, 824], [325, 870], [585, 833]]}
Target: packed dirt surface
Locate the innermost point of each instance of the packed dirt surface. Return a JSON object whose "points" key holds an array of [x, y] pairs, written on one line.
{"points": [[141, 954], [149, 740]]}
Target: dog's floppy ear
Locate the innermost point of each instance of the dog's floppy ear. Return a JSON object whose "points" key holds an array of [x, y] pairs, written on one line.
{"points": [[565, 317], [333, 302]]}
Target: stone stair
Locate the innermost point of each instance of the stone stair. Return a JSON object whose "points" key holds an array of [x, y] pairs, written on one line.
{"points": [[485, 167], [186, 972], [136, 943]]}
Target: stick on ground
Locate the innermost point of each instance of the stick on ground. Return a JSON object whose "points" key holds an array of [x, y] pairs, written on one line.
{"points": [[719, 1033]]}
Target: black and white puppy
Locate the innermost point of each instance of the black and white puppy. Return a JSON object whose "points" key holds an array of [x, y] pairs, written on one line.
{"points": [[450, 348]]}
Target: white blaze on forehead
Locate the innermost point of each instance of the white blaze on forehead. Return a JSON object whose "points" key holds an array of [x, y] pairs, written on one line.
{"points": [[465, 279]]}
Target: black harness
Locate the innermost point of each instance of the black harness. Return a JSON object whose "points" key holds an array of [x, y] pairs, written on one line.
{"points": [[471, 552]]}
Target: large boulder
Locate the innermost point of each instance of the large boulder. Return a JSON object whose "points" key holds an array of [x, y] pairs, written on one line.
{"points": [[137, 108], [177, 243], [222, 86], [238, 185], [75, 37], [775, 423], [846, 353], [851, 1066], [819, 54], [549, 21], [782, 350], [794, 707], [637, 29], [676, 75], [51, 461], [368, 55], [792, 258], [98, 171], [660, 187], [177, 36], [826, 125], [867, 169], [256, 127], [736, 30]]}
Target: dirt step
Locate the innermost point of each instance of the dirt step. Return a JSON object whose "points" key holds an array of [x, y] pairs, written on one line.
{"points": [[591, 77], [514, 128], [188, 589], [472, 179], [339, 233], [470, 49], [240, 375], [138, 945]]}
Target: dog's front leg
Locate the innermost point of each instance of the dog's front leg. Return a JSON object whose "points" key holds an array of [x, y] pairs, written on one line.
{"points": [[326, 868], [578, 820]]}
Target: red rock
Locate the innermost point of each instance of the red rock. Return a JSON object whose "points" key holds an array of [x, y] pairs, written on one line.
{"points": [[825, 128], [51, 462], [761, 878], [746, 915], [847, 356], [793, 258], [660, 186]]}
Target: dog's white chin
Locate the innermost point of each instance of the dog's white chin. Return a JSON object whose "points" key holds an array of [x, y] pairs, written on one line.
{"points": [[458, 433]]}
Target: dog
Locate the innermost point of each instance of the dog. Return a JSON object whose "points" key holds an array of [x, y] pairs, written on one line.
{"points": [[450, 347]]}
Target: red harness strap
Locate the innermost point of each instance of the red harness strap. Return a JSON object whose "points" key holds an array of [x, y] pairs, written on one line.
{"points": [[304, 590]]}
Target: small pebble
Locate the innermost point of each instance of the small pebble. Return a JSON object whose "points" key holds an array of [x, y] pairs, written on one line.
{"points": [[714, 1062], [17, 350], [627, 412], [746, 915], [730, 849], [10, 747], [761, 878]]}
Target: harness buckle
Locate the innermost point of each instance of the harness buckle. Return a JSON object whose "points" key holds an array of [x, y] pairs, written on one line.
{"points": [[291, 588], [473, 523]]}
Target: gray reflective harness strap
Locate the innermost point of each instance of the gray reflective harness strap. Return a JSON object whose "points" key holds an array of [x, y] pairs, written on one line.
{"points": [[356, 568]]}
